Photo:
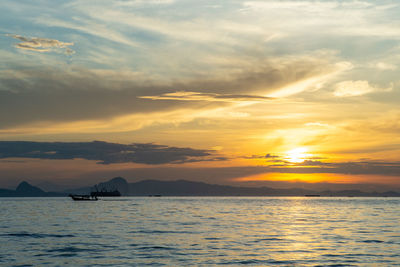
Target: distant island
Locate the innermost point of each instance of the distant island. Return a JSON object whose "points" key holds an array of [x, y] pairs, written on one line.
{"points": [[24, 189], [183, 188]]}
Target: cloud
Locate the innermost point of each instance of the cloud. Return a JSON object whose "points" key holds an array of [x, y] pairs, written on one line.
{"points": [[41, 44], [266, 156], [356, 88], [278, 163], [384, 66], [313, 83], [135, 3], [64, 95], [386, 124], [363, 18], [89, 27], [196, 96], [355, 167], [391, 168], [192, 30], [318, 124], [105, 153], [49, 95]]}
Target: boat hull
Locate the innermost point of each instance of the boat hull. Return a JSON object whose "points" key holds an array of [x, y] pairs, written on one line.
{"points": [[115, 193], [83, 198]]}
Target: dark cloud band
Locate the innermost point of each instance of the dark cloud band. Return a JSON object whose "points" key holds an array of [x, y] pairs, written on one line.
{"points": [[105, 153]]}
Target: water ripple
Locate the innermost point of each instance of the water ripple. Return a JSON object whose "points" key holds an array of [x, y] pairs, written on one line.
{"points": [[204, 231], [35, 235]]}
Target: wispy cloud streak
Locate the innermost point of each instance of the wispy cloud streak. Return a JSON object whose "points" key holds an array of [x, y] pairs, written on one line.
{"points": [[196, 96], [41, 44]]}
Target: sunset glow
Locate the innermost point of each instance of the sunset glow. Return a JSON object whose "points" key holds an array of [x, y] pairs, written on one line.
{"points": [[297, 155], [227, 90], [315, 178], [200, 133]]}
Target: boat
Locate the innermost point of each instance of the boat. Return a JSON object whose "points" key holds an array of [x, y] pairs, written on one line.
{"points": [[312, 195], [83, 197], [105, 193]]}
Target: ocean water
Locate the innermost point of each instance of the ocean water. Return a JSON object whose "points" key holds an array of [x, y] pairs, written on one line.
{"points": [[200, 231]]}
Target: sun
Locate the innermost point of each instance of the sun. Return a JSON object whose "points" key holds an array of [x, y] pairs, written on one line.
{"points": [[297, 155]]}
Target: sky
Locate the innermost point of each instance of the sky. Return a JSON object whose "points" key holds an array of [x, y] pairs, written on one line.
{"points": [[248, 93]]}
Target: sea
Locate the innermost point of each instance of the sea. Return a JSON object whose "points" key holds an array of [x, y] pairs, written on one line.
{"points": [[200, 231]]}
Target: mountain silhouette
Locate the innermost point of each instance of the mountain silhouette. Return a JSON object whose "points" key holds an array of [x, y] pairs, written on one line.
{"points": [[24, 189], [182, 188], [191, 188]]}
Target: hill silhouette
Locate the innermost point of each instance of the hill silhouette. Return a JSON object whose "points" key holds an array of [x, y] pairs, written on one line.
{"points": [[24, 189], [191, 188], [182, 188]]}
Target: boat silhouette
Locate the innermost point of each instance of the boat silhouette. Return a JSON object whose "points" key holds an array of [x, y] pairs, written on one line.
{"points": [[83, 197], [105, 193]]}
